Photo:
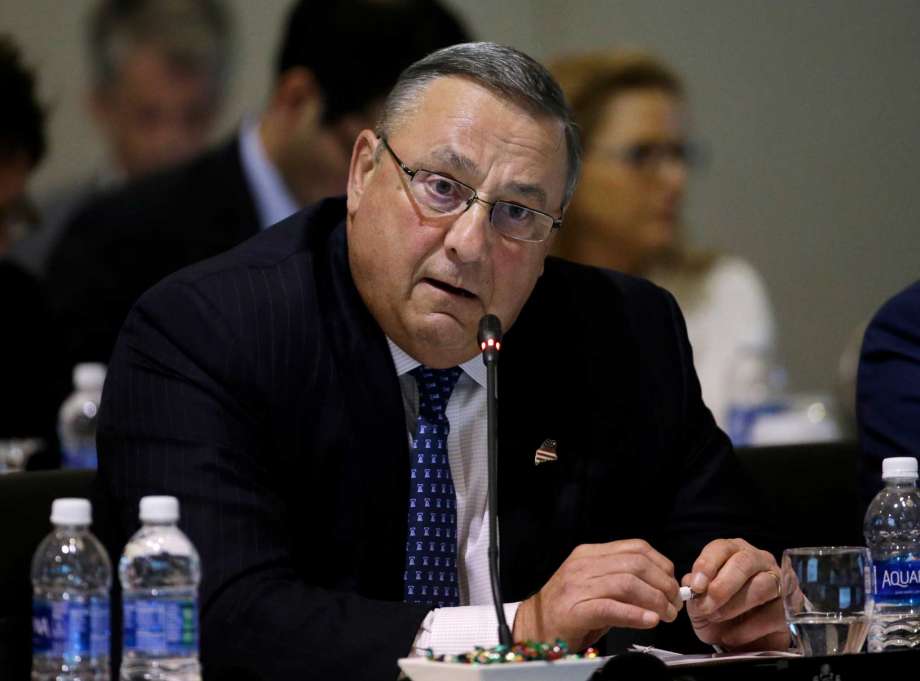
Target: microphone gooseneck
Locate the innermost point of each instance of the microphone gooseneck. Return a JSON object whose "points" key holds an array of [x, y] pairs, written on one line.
{"points": [[490, 343]]}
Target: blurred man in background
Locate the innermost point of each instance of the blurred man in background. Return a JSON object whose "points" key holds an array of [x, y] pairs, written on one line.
{"points": [[159, 70], [27, 398], [295, 153], [888, 387]]}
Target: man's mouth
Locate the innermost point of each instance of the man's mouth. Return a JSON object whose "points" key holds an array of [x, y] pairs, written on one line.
{"points": [[448, 288]]}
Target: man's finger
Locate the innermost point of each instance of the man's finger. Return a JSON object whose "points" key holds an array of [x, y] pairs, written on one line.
{"points": [[715, 554], [732, 576], [632, 589], [646, 569], [762, 588], [604, 613], [639, 546], [765, 621]]}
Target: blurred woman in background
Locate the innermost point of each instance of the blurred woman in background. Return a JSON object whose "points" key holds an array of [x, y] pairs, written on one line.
{"points": [[626, 215]]}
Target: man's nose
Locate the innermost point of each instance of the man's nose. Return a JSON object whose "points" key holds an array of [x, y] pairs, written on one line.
{"points": [[674, 172], [469, 238]]}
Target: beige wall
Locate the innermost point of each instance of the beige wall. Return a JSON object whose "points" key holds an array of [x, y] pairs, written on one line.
{"points": [[810, 111]]}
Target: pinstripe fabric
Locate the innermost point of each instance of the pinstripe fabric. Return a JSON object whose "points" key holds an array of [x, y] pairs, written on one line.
{"points": [[257, 388], [177, 217]]}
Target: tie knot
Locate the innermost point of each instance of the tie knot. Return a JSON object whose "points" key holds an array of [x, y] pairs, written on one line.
{"points": [[434, 389]]}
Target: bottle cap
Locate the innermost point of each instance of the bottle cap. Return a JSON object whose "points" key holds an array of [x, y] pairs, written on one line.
{"points": [[89, 376], [899, 467], [159, 510], [71, 512]]}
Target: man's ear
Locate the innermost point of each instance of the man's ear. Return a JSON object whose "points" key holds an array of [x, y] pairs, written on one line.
{"points": [[362, 167], [296, 97]]}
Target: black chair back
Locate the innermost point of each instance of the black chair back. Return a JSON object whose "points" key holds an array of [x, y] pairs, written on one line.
{"points": [[810, 490]]}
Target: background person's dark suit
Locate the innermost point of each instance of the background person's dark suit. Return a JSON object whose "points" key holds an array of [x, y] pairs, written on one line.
{"points": [[33, 383], [257, 387], [888, 387], [124, 242]]}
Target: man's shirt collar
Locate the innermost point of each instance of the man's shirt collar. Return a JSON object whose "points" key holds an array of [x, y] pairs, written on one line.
{"points": [[273, 199], [474, 368]]}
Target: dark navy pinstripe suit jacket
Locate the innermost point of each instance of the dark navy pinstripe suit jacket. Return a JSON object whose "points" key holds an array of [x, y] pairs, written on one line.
{"points": [[257, 388], [888, 387]]}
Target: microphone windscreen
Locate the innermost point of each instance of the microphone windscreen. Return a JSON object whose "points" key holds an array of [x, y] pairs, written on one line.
{"points": [[489, 327]]}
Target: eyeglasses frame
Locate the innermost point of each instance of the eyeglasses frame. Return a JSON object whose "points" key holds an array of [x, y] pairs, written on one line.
{"points": [[412, 172]]}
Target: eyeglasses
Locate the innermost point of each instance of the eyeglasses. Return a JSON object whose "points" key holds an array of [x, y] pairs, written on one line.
{"points": [[648, 156], [443, 195]]}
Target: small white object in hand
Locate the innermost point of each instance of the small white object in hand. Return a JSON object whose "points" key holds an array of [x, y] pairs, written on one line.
{"points": [[686, 594]]}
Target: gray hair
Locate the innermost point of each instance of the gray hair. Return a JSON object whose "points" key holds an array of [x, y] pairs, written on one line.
{"points": [[192, 34], [501, 69]]}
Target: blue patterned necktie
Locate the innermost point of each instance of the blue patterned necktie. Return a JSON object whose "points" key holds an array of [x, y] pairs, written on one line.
{"points": [[431, 544]]}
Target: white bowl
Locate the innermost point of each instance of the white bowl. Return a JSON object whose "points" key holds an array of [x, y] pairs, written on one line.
{"points": [[422, 669]]}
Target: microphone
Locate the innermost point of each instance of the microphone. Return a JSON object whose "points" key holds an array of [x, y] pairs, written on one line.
{"points": [[490, 338], [490, 343]]}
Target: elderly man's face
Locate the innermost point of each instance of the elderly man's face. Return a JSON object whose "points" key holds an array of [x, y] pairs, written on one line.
{"points": [[428, 280], [156, 113]]}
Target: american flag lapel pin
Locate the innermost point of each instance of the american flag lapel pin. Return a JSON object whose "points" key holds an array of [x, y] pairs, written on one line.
{"points": [[545, 453]]}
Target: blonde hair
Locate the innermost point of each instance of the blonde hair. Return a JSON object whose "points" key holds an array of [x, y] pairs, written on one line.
{"points": [[590, 80]]}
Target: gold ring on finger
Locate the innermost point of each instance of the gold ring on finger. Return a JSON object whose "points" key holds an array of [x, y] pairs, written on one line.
{"points": [[779, 583]]}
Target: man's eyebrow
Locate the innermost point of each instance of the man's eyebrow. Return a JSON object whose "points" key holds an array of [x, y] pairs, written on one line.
{"points": [[454, 159], [531, 191], [460, 163]]}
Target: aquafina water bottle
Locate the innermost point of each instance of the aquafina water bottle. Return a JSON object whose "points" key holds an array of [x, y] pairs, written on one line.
{"points": [[892, 529], [159, 572], [71, 581], [78, 416]]}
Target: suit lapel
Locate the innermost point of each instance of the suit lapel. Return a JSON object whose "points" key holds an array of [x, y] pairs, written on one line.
{"points": [[377, 438]]}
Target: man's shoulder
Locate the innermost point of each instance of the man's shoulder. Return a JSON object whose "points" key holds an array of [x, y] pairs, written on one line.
{"points": [[606, 317], [286, 249], [903, 309], [595, 291], [173, 194]]}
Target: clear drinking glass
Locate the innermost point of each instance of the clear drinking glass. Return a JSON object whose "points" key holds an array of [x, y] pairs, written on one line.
{"points": [[827, 597]]}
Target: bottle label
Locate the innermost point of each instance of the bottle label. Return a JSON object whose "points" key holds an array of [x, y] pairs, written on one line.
{"points": [[99, 617], [160, 626], [896, 580], [741, 420], [60, 628], [83, 457]]}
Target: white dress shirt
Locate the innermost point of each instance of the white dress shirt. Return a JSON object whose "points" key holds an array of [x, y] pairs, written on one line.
{"points": [[457, 630], [728, 314], [273, 199]]}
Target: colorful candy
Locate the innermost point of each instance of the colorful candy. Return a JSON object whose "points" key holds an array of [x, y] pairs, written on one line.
{"points": [[525, 651]]}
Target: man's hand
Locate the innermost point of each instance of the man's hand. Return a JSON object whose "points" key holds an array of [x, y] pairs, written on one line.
{"points": [[618, 584], [741, 606]]}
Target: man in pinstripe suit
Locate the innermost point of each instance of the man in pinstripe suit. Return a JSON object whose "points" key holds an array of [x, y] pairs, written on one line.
{"points": [[266, 389]]}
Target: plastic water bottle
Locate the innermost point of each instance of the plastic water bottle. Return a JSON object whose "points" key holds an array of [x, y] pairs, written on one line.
{"points": [[159, 573], [78, 415], [892, 529], [754, 390], [71, 580]]}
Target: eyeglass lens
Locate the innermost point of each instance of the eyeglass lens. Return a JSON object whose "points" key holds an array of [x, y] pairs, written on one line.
{"points": [[444, 195]]}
